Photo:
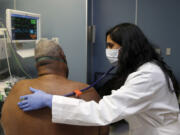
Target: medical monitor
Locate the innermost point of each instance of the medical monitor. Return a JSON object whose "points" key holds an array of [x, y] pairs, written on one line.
{"points": [[23, 26]]}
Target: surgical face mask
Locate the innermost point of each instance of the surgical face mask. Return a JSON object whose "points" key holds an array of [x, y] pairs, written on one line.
{"points": [[112, 55]]}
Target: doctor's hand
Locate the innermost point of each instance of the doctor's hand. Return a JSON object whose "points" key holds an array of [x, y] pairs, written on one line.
{"points": [[37, 100]]}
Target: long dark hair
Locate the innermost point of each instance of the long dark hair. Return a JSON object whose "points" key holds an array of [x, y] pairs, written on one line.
{"points": [[136, 50]]}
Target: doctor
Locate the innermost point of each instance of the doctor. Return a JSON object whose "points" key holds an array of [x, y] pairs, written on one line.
{"points": [[143, 92]]}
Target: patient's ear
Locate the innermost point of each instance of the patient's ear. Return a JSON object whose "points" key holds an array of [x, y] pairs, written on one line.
{"points": [[63, 56]]}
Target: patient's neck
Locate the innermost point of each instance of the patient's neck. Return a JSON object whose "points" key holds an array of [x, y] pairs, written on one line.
{"points": [[52, 69]]}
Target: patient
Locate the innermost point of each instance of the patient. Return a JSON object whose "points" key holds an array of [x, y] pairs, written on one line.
{"points": [[52, 78]]}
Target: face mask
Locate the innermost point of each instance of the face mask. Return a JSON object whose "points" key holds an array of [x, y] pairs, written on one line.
{"points": [[112, 55]]}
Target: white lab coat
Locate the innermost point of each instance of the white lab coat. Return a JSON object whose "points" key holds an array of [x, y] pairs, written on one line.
{"points": [[144, 101]]}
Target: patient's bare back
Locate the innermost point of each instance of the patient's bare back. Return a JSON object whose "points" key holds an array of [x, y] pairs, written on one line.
{"points": [[17, 122]]}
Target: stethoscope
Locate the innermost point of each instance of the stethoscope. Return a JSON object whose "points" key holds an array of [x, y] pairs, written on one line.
{"points": [[79, 92]]}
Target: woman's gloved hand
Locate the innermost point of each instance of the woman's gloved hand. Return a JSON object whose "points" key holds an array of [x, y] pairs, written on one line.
{"points": [[37, 100]]}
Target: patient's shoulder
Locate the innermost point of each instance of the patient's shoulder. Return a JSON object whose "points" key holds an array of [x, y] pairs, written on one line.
{"points": [[21, 86], [22, 83]]}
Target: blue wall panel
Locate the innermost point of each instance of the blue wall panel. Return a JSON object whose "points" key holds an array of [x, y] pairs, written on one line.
{"points": [[159, 19], [108, 13]]}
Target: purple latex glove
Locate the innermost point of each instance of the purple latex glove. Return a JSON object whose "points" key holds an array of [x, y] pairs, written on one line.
{"points": [[37, 100]]}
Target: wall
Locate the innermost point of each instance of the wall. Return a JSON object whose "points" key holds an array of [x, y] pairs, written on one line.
{"points": [[158, 19], [3, 5], [66, 20], [160, 22], [108, 13]]}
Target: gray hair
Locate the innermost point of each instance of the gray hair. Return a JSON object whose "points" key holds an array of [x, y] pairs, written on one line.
{"points": [[48, 48]]}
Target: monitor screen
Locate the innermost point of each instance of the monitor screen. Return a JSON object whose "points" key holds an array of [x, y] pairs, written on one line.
{"points": [[23, 26]]}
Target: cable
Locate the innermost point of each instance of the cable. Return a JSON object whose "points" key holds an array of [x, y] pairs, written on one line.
{"points": [[16, 59], [2, 50], [7, 58], [12, 49]]}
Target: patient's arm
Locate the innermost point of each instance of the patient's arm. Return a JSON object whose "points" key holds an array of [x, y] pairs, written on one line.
{"points": [[104, 130]]}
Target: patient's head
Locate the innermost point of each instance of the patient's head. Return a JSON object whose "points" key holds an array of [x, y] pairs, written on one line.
{"points": [[50, 58]]}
